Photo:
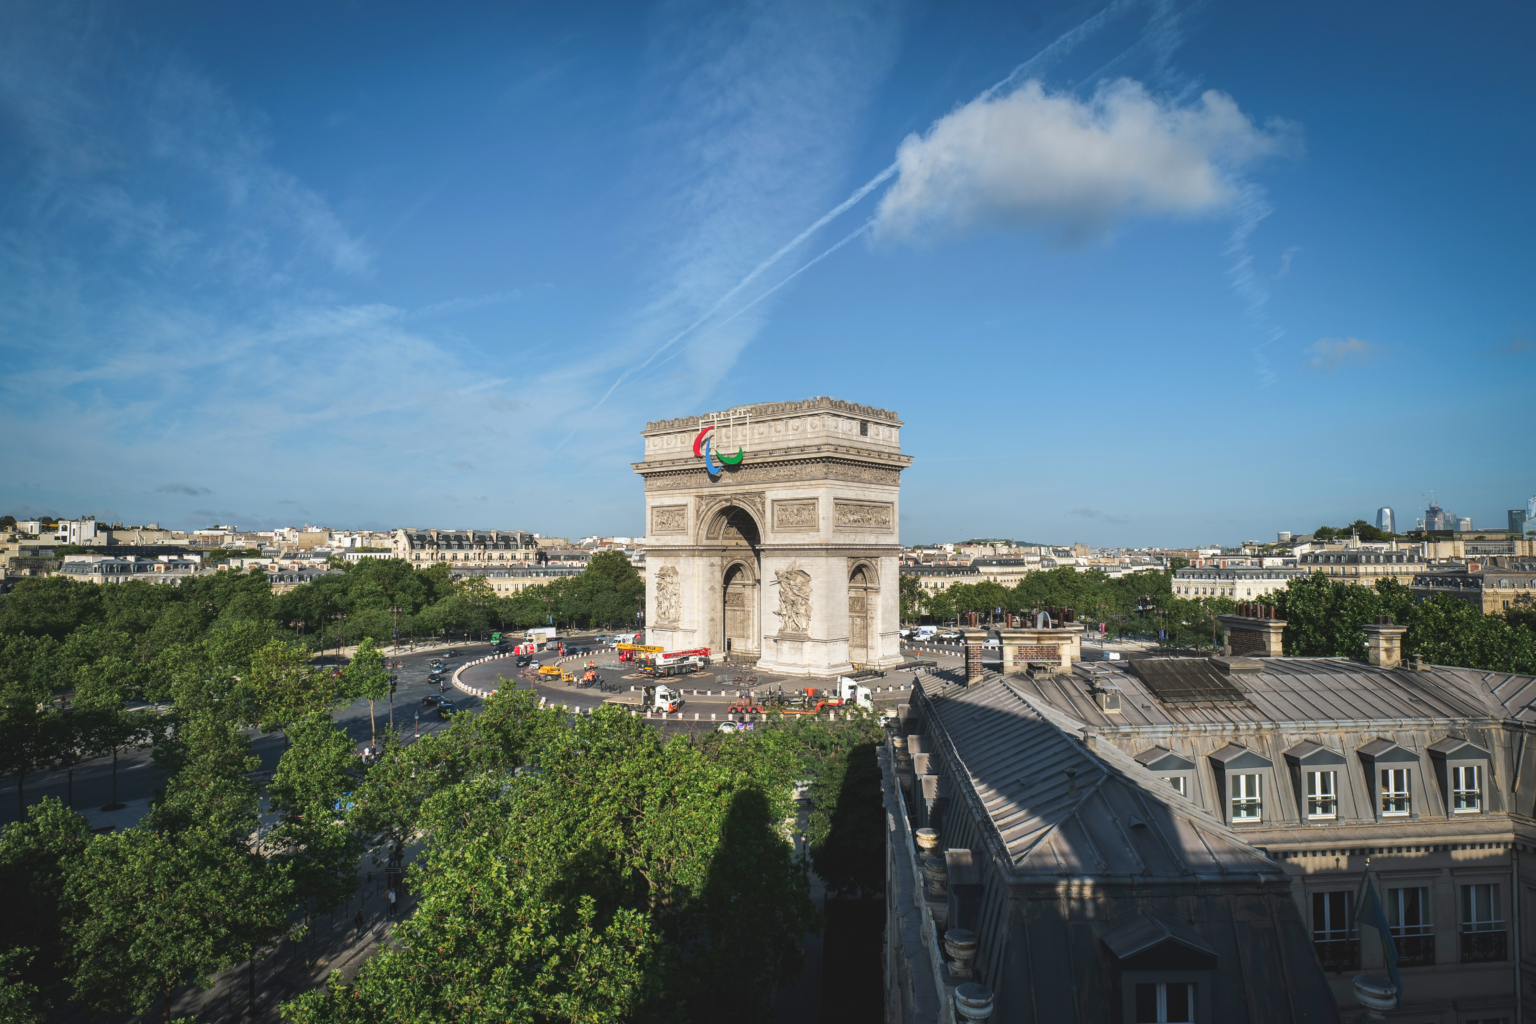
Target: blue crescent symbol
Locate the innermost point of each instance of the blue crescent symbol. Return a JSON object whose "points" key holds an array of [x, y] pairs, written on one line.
{"points": [[710, 465]]}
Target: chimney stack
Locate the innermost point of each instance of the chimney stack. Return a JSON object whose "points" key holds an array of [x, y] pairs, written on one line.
{"points": [[1384, 642], [1254, 632]]}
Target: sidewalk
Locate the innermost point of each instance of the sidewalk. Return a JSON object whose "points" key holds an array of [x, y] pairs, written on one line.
{"points": [[338, 944]]}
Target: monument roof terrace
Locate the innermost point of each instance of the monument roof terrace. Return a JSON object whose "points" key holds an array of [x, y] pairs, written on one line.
{"points": [[779, 409]]}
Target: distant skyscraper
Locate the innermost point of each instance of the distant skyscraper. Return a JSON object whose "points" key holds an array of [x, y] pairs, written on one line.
{"points": [[1384, 519], [1434, 518], [1464, 523], [1517, 520]]}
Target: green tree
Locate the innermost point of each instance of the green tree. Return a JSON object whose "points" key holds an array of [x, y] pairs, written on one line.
{"points": [[148, 914], [366, 677], [35, 854], [583, 869], [314, 837], [911, 598], [34, 732], [846, 831]]}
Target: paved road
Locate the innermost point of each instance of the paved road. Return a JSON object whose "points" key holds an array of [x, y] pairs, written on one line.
{"points": [[137, 776], [88, 787]]}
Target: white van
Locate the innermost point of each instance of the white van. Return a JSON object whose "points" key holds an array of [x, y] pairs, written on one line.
{"points": [[925, 632]]}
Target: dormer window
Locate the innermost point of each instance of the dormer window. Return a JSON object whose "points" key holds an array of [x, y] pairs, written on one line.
{"points": [[1462, 769], [1177, 772], [1390, 772], [1244, 775]]}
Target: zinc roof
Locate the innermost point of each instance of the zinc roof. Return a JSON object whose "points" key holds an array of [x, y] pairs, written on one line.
{"points": [[1058, 808], [1296, 690]]}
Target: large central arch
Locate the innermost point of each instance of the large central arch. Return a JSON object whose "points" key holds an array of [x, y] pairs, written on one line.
{"points": [[736, 628]]}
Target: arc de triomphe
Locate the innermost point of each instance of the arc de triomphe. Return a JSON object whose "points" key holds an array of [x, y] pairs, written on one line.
{"points": [[771, 532]]}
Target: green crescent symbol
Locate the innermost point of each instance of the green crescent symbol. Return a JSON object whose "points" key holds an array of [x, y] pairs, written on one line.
{"points": [[731, 460]]}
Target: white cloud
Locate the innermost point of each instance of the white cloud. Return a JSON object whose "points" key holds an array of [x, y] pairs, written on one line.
{"points": [[1329, 354], [1070, 166]]}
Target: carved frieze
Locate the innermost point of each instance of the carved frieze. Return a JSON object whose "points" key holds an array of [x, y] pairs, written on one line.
{"points": [[798, 514], [669, 519], [777, 472], [864, 516]]}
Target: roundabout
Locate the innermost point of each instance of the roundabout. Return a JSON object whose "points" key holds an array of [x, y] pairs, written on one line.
{"points": [[702, 707]]}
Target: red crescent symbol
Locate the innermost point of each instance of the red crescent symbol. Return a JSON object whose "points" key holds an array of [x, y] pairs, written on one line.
{"points": [[697, 452]]}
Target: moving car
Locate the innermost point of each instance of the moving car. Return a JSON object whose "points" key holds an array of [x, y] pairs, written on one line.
{"points": [[432, 700], [447, 709], [523, 661]]}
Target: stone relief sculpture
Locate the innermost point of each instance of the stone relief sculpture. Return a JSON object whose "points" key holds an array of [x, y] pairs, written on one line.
{"points": [[794, 515], [794, 600], [851, 515], [669, 519], [669, 597]]}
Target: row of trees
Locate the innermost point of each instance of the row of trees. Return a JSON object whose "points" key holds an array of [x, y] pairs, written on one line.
{"points": [[371, 599], [1137, 604], [572, 869], [1323, 617], [115, 922]]}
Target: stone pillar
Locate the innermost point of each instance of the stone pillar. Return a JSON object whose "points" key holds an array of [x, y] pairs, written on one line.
{"points": [[1252, 637], [973, 1002], [1384, 641]]}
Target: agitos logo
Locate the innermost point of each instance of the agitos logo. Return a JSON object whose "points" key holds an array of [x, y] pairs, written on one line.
{"points": [[713, 464]]}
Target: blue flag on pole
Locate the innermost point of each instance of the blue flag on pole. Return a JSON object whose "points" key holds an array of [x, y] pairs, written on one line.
{"points": [[1368, 910]]}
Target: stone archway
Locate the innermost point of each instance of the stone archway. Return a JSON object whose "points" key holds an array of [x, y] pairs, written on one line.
{"points": [[737, 629], [860, 615], [739, 614]]}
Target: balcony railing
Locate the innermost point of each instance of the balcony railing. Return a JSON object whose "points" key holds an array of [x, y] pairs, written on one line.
{"points": [[1338, 954], [1415, 950], [1484, 947]]}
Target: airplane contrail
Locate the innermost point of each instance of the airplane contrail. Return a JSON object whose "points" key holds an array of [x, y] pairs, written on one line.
{"points": [[1056, 50]]}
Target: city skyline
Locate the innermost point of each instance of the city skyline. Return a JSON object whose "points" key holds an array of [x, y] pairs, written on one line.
{"points": [[1127, 277]]}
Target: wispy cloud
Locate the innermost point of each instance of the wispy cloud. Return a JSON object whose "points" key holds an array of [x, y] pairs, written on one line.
{"points": [[1093, 513], [1328, 354], [182, 489]]}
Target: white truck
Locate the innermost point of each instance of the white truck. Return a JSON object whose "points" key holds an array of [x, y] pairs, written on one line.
{"points": [[850, 692], [654, 698], [541, 635]]}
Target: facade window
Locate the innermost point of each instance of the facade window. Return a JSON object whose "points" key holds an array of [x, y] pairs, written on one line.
{"points": [[1394, 791], [1322, 795], [1179, 783], [1333, 930], [1466, 789], [1482, 930], [1408, 915], [1165, 1002], [1246, 802]]}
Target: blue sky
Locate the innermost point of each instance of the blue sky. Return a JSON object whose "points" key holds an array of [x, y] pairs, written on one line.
{"points": [[1137, 273]]}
